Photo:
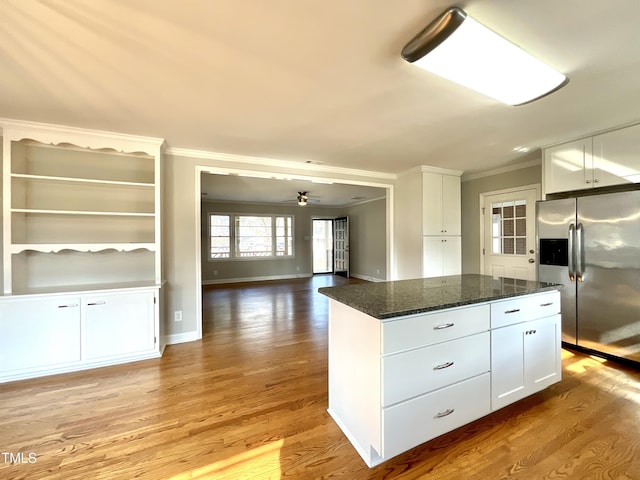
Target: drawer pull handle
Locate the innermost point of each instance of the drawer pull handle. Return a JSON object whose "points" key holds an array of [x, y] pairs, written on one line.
{"points": [[443, 326], [548, 304], [71, 305], [100, 302], [515, 310], [443, 366], [447, 412]]}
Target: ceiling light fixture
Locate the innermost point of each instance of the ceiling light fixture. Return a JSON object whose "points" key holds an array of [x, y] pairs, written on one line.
{"points": [[462, 50], [302, 198]]}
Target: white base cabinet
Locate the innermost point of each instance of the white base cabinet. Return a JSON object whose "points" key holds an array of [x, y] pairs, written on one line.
{"points": [[399, 382], [47, 334]]}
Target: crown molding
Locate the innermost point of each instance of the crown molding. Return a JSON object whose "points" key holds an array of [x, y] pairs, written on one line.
{"points": [[274, 162], [498, 171]]}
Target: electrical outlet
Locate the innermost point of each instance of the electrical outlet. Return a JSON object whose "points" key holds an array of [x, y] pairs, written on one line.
{"points": [[177, 316], [215, 272]]}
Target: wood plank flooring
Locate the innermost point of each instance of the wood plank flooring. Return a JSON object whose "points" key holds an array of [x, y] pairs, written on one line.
{"points": [[249, 402]]}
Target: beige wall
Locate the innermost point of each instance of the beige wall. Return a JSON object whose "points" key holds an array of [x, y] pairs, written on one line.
{"points": [[368, 242], [471, 191], [408, 225]]}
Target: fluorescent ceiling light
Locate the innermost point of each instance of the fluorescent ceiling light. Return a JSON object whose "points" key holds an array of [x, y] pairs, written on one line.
{"points": [[462, 50]]}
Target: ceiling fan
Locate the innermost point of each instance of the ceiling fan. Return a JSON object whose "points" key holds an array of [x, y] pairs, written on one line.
{"points": [[302, 199]]}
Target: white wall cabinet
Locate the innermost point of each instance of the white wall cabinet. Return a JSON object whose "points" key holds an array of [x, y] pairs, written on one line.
{"points": [[399, 382], [441, 225], [82, 214], [442, 256], [611, 158], [441, 204]]}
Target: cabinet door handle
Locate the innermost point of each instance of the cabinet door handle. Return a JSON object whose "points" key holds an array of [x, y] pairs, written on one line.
{"points": [[548, 304], [99, 302], [443, 366], [515, 310], [443, 326], [448, 411], [71, 305]]}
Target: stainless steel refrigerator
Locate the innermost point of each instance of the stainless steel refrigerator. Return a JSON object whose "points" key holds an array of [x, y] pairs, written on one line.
{"points": [[591, 245]]}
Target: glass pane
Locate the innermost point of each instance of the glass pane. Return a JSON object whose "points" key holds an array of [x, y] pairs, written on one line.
{"points": [[521, 227], [507, 244], [219, 231], [496, 226], [521, 210], [507, 210], [220, 220], [521, 246], [508, 228], [497, 245]]}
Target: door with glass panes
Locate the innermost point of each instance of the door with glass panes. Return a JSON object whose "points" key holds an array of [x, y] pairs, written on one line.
{"points": [[509, 234]]}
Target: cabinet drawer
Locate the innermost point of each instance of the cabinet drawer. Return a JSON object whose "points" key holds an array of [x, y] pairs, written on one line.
{"points": [[409, 374], [524, 308], [430, 328], [415, 421]]}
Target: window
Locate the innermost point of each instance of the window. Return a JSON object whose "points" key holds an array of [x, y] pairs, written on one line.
{"points": [[250, 236], [509, 228]]}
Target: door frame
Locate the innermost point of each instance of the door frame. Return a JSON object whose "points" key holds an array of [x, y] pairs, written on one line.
{"points": [[536, 186], [268, 172], [322, 219]]}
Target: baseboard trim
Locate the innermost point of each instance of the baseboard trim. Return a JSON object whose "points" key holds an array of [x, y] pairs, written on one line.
{"points": [[367, 278], [185, 337], [256, 279]]}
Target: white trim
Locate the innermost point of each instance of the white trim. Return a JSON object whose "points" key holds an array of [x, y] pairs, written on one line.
{"points": [[430, 169], [497, 171], [184, 337], [257, 279], [367, 278], [274, 162], [535, 186]]}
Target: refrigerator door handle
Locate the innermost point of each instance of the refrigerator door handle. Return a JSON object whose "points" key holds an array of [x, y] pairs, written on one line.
{"points": [[571, 260], [580, 253]]}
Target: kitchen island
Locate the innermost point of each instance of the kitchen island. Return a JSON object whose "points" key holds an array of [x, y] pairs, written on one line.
{"points": [[413, 359]]}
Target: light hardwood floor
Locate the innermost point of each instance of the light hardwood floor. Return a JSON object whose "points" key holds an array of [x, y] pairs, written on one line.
{"points": [[249, 402]]}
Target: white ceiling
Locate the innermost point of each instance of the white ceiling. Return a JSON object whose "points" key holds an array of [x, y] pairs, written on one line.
{"points": [[318, 80], [234, 188]]}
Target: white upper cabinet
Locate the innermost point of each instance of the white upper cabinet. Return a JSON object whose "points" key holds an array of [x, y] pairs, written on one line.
{"points": [[616, 157], [441, 204], [568, 166], [611, 158]]}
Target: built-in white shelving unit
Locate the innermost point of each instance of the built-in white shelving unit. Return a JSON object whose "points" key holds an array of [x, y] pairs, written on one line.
{"points": [[81, 214]]}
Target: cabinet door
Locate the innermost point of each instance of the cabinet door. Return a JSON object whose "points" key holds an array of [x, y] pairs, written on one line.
{"points": [[568, 166], [39, 333], [542, 356], [432, 256], [525, 358], [119, 324], [432, 204], [508, 381], [452, 256], [616, 157], [451, 213]]}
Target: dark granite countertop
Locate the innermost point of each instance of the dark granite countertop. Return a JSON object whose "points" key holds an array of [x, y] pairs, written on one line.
{"points": [[384, 300]]}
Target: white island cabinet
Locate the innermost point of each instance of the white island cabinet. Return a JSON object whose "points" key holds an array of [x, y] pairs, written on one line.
{"points": [[398, 381]]}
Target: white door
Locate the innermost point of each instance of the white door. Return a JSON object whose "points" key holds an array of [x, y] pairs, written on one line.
{"points": [[509, 234]]}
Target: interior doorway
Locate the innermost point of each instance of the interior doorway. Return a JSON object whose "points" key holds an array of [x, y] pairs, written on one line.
{"points": [[322, 245]]}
